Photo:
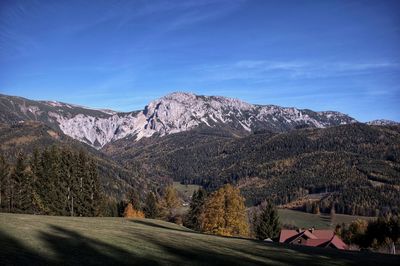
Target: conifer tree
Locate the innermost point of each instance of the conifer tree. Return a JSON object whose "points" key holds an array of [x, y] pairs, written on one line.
{"points": [[151, 209], [95, 191], [133, 197], [193, 219], [4, 182], [266, 222], [58, 181], [46, 183], [66, 178], [21, 186], [81, 207]]}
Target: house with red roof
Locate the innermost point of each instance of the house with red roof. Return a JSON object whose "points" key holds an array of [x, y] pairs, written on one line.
{"points": [[312, 238]]}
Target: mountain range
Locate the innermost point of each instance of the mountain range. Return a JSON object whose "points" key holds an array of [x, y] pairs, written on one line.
{"points": [[173, 113], [284, 154]]}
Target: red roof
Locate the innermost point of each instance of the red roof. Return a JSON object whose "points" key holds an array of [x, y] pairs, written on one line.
{"points": [[323, 234], [313, 238], [316, 242], [286, 234], [338, 243]]}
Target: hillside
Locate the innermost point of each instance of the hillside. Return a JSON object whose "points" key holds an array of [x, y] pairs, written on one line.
{"points": [[27, 136], [357, 166], [34, 239]]}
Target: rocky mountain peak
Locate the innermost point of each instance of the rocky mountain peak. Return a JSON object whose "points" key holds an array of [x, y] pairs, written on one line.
{"points": [[173, 113]]}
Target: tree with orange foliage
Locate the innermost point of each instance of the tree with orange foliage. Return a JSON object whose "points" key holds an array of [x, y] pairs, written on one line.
{"points": [[130, 212], [171, 201], [225, 213]]}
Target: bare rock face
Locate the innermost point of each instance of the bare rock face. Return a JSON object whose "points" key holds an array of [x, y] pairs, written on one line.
{"points": [[173, 113]]}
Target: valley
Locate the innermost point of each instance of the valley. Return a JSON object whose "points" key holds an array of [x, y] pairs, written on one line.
{"points": [[283, 154]]}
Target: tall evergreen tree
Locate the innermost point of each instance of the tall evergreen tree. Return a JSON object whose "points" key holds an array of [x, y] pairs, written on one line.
{"points": [[94, 192], [58, 182], [21, 187], [81, 208], [193, 219], [46, 183], [266, 222], [4, 182], [151, 209], [133, 197]]}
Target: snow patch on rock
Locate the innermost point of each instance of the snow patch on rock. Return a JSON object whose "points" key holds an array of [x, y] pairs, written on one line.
{"points": [[182, 111]]}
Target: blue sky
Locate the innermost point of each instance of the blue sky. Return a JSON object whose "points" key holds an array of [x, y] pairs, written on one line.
{"points": [[321, 55]]}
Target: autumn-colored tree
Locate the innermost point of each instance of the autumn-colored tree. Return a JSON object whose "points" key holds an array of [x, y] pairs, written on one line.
{"points": [[357, 229], [235, 212], [315, 208], [171, 201], [225, 213], [213, 216], [130, 212], [384, 231]]}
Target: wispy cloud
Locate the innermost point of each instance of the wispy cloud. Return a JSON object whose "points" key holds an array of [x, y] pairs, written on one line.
{"points": [[198, 15], [259, 70], [167, 15]]}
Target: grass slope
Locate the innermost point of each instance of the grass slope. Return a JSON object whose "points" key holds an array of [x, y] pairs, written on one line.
{"points": [[185, 190], [31, 239], [319, 221]]}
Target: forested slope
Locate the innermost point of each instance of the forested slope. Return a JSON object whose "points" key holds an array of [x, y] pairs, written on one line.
{"points": [[29, 136], [357, 166]]}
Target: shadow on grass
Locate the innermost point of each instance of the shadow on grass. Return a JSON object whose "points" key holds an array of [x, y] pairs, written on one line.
{"points": [[271, 254], [208, 252], [70, 248], [13, 252], [200, 249], [158, 225]]}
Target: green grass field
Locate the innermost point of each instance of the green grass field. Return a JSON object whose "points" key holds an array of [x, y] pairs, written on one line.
{"points": [[320, 221], [45, 240], [185, 190]]}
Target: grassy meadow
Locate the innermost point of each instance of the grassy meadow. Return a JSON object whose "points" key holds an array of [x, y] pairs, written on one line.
{"points": [[185, 191], [47, 240], [287, 216], [319, 221]]}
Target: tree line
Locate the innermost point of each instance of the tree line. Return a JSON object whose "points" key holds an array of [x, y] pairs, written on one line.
{"points": [[382, 234], [53, 181], [221, 212]]}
